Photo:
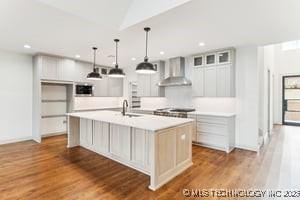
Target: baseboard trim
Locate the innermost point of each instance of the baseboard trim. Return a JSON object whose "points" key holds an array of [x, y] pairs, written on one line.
{"points": [[15, 140], [247, 147], [53, 134]]}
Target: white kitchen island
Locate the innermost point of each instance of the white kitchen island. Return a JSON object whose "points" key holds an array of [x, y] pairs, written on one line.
{"points": [[158, 146]]}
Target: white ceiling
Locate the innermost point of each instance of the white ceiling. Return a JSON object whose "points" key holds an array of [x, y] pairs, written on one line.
{"points": [[69, 27]]}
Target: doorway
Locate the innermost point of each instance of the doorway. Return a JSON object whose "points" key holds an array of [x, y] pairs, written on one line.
{"points": [[291, 100]]}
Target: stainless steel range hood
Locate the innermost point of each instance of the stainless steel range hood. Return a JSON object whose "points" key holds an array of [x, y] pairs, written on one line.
{"points": [[176, 74]]}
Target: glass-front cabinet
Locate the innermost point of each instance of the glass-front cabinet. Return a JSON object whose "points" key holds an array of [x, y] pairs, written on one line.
{"points": [[224, 57], [198, 61], [210, 59]]}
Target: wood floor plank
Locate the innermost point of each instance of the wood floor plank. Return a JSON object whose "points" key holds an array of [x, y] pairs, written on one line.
{"points": [[51, 171]]}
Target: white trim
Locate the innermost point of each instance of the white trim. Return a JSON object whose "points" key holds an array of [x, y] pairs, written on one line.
{"points": [[54, 134], [247, 147], [15, 140]]}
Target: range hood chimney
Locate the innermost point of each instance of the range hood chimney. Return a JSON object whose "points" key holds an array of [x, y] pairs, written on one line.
{"points": [[176, 74]]}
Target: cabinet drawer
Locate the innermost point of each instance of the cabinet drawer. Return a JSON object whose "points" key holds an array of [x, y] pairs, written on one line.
{"points": [[218, 129], [211, 140], [211, 119]]}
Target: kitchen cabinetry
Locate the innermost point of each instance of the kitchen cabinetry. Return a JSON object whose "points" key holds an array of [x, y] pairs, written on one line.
{"points": [[62, 69], [216, 132], [115, 87], [147, 83], [210, 82], [120, 141], [54, 68], [198, 82], [101, 136], [215, 78]]}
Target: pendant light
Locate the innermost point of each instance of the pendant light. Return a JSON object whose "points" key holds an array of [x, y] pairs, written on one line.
{"points": [[94, 75], [145, 67], [116, 72]]}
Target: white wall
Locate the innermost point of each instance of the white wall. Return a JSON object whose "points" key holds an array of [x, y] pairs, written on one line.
{"points": [[285, 63], [247, 101], [15, 97]]}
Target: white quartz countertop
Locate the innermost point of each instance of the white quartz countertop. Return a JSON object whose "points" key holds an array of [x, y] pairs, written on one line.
{"points": [[146, 122]]}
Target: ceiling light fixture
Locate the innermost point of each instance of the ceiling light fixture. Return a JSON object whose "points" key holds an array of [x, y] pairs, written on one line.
{"points": [[145, 67], [94, 75], [27, 46], [133, 59], [116, 72], [77, 56], [201, 44], [162, 53]]}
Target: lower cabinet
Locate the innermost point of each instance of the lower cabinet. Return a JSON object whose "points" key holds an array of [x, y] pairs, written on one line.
{"points": [[122, 143], [101, 136], [214, 131]]}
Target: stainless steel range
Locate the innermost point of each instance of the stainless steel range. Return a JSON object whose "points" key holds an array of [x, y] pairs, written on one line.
{"points": [[174, 112]]}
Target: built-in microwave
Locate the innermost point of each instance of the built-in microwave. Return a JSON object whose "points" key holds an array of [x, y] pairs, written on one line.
{"points": [[84, 89]]}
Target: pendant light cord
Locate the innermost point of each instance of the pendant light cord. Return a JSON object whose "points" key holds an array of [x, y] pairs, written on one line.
{"points": [[95, 49], [116, 54], [146, 57], [147, 29]]}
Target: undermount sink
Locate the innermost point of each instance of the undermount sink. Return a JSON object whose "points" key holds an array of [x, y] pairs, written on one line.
{"points": [[132, 115], [129, 115]]}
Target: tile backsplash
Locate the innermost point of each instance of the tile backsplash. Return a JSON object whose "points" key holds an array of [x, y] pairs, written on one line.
{"points": [[182, 97]]}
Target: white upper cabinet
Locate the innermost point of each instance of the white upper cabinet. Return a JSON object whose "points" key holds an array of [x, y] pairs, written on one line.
{"points": [[147, 84], [224, 57], [216, 76], [62, 69], [198, 82], [115, 87], [50, 68], [198, 61], [210, 82], [210, 59], [67, 70]]}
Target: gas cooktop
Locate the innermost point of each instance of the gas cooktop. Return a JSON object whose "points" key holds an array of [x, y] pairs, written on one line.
{"points": [[173, 112]]}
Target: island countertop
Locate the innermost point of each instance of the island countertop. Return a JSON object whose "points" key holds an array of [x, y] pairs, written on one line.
{"points": [[146, 122]]}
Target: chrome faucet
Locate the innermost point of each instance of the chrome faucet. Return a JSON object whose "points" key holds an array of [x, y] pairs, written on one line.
{"points": [[125, 106]]}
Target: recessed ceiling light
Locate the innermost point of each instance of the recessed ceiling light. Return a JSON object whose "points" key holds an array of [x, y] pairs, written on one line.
{"points": [[77, 56], [162, 53], [201, 44], [26, 46], [133, 59]]}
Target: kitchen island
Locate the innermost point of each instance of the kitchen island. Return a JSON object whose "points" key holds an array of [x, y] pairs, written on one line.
{"points": [[158, 146]]}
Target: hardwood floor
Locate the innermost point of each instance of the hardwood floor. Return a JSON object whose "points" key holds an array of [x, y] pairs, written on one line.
{"points": [[51, 171]]}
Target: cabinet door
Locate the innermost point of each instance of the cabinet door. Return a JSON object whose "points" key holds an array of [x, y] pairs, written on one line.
{"points": [[50, 68], [198, 61], [101, 87], [144, 88], [82, 70], [120, 141], [210, 59], [67, 70], [210, 82], [223, 81], [183, 148], [154, 88], [86, 132], [139, 142], [115, 87], [224, 57], [101, 136], [198, 82]]}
